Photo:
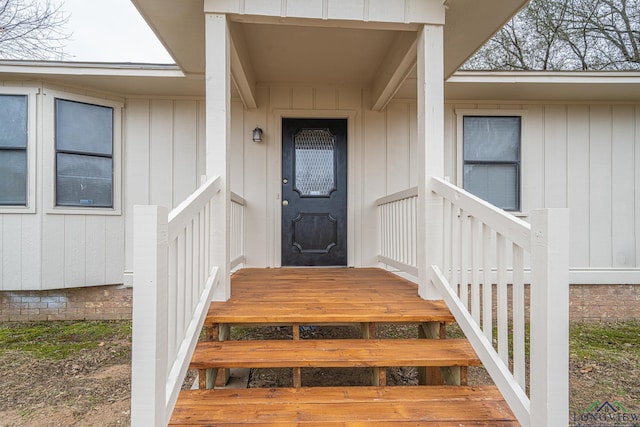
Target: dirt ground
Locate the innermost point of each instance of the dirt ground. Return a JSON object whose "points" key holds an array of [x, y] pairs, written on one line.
{"points": [[88, 390], [93, 389]]}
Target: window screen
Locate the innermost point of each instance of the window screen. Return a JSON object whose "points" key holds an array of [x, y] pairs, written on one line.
{"points": [[492, 159], [84, 154], [13, 150]]}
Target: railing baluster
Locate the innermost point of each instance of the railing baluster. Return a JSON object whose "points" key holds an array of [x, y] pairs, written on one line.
{"points": [[188, 279], [518, 316], [446, 239], [197, 250], [181, 261], [172, 297], [464, 258], [388, 225], [455, 254], [414, 230], [487, 283], [405, 232], [475, 269], [503, 321]]}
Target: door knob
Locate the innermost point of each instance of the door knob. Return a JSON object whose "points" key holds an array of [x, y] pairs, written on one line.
{"points": [[285, 181], [285, 203]]}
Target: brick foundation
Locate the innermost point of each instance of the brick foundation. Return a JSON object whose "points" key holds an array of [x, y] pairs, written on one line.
{"points": [[112, 302], [588, 303], [593, 303]]}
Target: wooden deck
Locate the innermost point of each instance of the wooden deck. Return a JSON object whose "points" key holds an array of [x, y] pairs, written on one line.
{"points": [[325, 296]]}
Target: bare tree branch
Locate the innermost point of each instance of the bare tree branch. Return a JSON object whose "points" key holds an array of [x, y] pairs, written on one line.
{"points": [[566, 35], [32, 29]]}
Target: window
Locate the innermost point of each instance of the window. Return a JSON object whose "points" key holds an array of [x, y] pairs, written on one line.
{"points": [[491, 159], [13, 150], [84, 154]]}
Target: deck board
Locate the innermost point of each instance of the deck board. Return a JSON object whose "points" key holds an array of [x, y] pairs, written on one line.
{"points": [[334, 353], [324, 295], [353, 406]]}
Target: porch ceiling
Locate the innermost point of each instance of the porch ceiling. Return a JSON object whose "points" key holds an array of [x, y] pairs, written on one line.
{"points": [[340, 54], [294, 54]]}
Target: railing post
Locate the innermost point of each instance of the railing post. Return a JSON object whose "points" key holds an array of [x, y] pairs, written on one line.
{"points": [[149, 346], [550, 317]]}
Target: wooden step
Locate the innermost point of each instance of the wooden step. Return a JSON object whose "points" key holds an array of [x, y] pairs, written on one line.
{"points": [[324, 296], [328, 312], [344, 406], [334, 353]]}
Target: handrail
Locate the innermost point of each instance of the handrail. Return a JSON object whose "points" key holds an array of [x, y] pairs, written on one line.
{"points": [[488, 214], [480, 239], [173, 287], [184, 212], [398, 230], [400, 195]]}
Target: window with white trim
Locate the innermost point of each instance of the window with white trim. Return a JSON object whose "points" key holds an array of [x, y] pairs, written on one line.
{"points": [[491, 158], [14, 133], [84, 154]]}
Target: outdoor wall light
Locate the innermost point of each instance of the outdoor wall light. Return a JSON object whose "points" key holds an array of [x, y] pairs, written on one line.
{"points": [[257, 134]]}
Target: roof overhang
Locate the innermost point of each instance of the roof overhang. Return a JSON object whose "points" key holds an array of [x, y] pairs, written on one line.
{"points": [[119, 79], [468, 25], [543, 86], [151, 80]]}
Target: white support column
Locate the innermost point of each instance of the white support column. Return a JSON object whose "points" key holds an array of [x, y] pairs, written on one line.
{"points": [[150, 288], [550, 317], [430, 153], [218, 134]]}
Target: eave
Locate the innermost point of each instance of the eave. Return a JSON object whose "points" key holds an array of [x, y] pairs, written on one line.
{"points": [[543, 86], [123, 79]]}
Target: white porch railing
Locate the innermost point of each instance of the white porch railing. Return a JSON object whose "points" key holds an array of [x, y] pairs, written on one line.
{"points": [[483, 244], [398, 230], [173, 286]]}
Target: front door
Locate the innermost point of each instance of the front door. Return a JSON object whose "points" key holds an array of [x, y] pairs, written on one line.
{"points": [[314, 192]]}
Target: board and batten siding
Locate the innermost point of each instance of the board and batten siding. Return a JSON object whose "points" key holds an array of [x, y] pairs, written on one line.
{"points": [[164, 157], [585, 157], [43, 250], [582, 156], [382, 159]]}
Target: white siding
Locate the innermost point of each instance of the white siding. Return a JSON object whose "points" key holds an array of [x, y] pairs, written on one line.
{"points": [[45, 250], [162, 161], [163, 157], [382, 147], [584, 157]]}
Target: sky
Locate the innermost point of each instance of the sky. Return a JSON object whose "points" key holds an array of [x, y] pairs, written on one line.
{"points": [[109, 31]]}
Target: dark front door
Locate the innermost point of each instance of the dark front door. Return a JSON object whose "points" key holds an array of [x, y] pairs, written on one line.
{"points": [[314, 192]]}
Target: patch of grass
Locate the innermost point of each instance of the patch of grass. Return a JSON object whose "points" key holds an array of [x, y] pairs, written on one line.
{"points": [[606, 342], [60, 340]]}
